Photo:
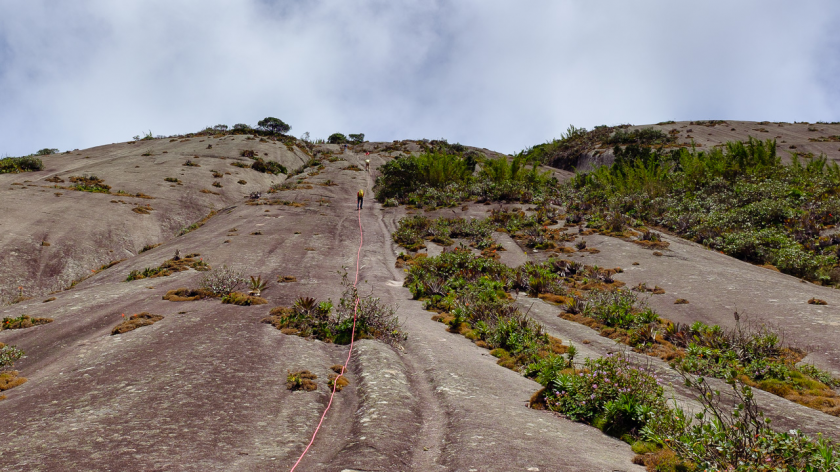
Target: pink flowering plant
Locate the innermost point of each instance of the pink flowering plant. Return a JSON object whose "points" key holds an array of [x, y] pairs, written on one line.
{"points": [[611, 393]]}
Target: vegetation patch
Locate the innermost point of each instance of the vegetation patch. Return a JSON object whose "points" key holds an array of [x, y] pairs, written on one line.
{"points": [[444, 179], [89, 183], [187, 295], [243, 299], [197, 224], [412, 231], [16, 165], [755, 355], [337, 382], [169, 267], [268, 167], [301, 380], [309, 318], [135, 321], [470, 294], [23, 322], [738, 199]]}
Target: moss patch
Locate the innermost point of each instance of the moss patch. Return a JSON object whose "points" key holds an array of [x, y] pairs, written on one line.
{"points": [[136, 321]]}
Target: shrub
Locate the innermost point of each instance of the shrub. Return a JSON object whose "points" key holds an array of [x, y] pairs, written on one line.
{"points": [[15, 165], [358, 138], [740, 438], [268, 167], [619, 308], [405, 175], [222, 281], [611, 393]]}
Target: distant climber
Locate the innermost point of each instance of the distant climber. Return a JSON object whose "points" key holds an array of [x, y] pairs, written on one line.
{"points": [[367, 165], [360, 199]]}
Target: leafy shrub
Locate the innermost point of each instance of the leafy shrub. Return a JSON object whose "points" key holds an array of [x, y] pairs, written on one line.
{"points": [[405, 175], [268, 167], [740, 438], [15, 165], [222, 280], [643, 136], [611, 393], [46, 152], [619, 308], [358, 138]]}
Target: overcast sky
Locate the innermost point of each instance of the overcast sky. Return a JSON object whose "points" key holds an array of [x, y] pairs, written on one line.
{"points": [[497, 74]]}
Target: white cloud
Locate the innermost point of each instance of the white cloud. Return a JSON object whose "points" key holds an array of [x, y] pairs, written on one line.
{"points": [[496, 74]]}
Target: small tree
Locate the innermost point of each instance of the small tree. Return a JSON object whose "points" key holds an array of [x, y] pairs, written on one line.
{"points": [[274, 125], [357, 138], [46, 152], [241, 127], [222, 280], [337, 138], [220, 128], [8, 356]]}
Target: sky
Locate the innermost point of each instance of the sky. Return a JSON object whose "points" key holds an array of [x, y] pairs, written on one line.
{"points": [[503, 75]]}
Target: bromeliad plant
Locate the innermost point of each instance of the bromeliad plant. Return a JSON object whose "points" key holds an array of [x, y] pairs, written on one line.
{"points": [[257, 285]]}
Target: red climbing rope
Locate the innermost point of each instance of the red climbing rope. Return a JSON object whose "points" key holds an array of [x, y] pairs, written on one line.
{"points": [[352, 339]]}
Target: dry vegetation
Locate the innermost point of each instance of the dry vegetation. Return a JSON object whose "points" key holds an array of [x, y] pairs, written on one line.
{"points": [[135, 321]]}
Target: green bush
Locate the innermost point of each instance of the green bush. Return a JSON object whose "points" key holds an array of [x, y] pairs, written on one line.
{"points": [[15, 165], [610, 392], [619, 308], [268, 167], [400, 177], [358, 138]]}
